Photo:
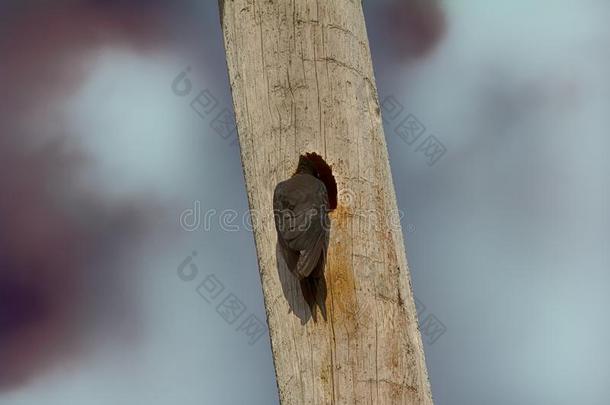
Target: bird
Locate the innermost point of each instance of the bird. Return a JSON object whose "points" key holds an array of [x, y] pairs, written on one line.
{"points": [[301, 207]]}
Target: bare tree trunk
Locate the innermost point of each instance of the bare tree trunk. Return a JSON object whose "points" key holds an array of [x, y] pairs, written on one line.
{"points": [[302, 81]]}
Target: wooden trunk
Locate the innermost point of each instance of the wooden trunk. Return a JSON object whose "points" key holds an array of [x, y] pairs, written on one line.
{"points": [[302, 81]]}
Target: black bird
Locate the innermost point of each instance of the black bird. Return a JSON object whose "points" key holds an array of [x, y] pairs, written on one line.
{"points": [[301, 205]]}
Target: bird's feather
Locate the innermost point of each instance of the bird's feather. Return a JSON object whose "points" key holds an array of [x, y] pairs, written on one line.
{"points": [[301, 218]]}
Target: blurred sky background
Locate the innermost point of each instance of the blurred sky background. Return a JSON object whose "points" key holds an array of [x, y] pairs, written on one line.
{"points": [[507, 233]]}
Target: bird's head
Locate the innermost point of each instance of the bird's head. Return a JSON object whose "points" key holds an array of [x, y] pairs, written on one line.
{"points": [[306, 166], [313, 164]]}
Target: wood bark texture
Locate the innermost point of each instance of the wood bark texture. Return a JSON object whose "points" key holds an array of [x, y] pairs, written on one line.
{"points": [[302, 81]]}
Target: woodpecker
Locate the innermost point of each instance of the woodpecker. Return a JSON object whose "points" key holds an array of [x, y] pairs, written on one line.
{"points": [[301, 205]]}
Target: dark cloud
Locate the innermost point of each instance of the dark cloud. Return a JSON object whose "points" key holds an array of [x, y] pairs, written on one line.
{"points": [[416, 25], [60, 240], [404, 30]]}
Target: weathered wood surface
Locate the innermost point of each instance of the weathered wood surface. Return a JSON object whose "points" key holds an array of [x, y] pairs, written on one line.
{"points": [[302, 81]]}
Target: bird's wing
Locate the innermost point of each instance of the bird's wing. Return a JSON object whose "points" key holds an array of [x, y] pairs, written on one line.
{"points": [[301, 218]]}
